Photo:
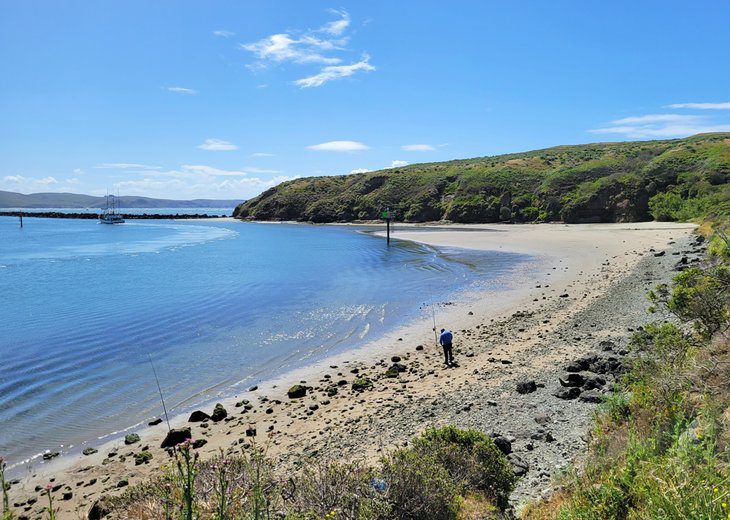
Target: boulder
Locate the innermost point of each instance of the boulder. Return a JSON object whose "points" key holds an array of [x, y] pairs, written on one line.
{"points": [[503, 444], [154, 422], [361, 384], [519, 466], [395, 359], [175, 437], [90, 451], [199, 443], [572, 379], [567, 393], [591, 396], [219, 413], [526, 386], [100, 509], [593, 382], [297, 392], [131, 439], [198, 416]]}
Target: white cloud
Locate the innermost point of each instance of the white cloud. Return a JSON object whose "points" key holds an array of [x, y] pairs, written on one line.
{"points": [[702, 106], [334, 72], [217, 145], [339, 146], [337, 27], [280, 48], [662, 129], [200, 187], [22, 184], [360, 170], [262, 154], [655, 118], [223, 33], [321, 47], [398, 164], [418, 147], [182, 90], [126, 166]]}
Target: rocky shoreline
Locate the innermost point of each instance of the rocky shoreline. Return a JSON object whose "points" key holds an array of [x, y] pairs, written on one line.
{"points": [[508, 384]]}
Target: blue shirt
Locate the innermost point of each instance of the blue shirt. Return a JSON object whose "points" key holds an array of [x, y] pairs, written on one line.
{"points": [[446, 337]]}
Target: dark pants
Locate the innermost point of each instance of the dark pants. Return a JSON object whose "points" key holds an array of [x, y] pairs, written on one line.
{"points": [[448, 353]]}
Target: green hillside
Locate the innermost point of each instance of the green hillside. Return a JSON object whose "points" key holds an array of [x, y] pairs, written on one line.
{"points": [[10, 199], [673, 179]]}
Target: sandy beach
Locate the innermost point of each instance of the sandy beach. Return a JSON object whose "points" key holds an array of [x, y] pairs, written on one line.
{"points": [[584, 293]]}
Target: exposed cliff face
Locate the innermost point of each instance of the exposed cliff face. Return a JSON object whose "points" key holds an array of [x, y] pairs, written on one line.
{"points": [[603, 182]]}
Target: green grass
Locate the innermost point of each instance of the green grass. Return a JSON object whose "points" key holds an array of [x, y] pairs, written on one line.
{"points": [[594, 182]]}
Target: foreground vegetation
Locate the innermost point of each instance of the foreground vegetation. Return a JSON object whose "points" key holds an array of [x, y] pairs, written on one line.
{"points": [[677, 179], [444, 474], [661, 444]]}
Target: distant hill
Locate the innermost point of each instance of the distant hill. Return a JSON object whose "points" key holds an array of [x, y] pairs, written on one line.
{"points": [[9, 199], [674, 179]]}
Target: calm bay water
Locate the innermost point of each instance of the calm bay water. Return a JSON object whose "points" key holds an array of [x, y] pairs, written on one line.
{"points": [[218, 305]]}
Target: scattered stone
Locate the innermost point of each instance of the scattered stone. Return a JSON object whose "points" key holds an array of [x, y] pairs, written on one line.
{"points": [[526, 387], [155, 422], [198, 416], [572, 379], [219, 413], [89, 451], [395, 359], [503, 444], [50, 455], [101, 509], [297, 392], [122, 483], [591, 396], [253, 388], [143, 457], [67, 495], [251, 431], [131, 438], [199, 443], [567, 393], [361, 384], [175, 437]]}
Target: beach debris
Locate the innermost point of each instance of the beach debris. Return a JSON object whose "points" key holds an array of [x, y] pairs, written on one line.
{"points": [[297, 392], [198, 416], [175, 437], [131, 438]]}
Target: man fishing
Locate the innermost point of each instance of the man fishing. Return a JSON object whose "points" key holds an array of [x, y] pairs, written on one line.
{"points": [[446, 338]]}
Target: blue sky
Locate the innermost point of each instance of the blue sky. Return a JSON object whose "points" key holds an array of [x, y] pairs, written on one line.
{"points": [[224, 99]]}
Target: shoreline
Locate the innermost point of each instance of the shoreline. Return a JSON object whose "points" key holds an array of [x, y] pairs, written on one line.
{"points": [[464, 317]]}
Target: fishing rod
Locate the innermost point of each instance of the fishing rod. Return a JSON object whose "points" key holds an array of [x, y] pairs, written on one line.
{"points": [[164, 408], [433, 314]]}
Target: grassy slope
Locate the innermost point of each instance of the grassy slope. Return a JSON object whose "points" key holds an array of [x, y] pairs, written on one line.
{"points": [[9, 199], [602, 182]]}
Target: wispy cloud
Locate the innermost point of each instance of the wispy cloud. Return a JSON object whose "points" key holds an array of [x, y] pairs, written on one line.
{"points": [[337, 27], [398, 164], [334, 72], [321, 47], [262, 154], [360, 170], [182, 90], [418, 147], [339, 146], [23, 184], [661, 125], [126, 166], [702, 106], [200, 187], [222, 33], [217, 145]]}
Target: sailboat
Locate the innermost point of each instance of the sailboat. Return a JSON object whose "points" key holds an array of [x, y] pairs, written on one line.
{"points": [[111, 214]]}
